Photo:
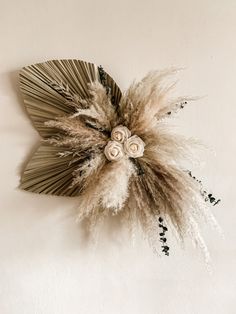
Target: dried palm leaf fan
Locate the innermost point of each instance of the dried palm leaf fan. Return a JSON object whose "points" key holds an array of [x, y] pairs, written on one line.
{"points": [[112, 150]]}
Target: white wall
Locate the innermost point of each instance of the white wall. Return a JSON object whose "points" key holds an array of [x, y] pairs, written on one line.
{"points": [[46, 265]]}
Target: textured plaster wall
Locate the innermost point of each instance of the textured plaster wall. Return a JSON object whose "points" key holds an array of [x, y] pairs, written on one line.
{"points": [[46, 265]]}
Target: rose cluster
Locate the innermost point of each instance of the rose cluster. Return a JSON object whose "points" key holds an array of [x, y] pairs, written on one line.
{"points": [[123, 144]]}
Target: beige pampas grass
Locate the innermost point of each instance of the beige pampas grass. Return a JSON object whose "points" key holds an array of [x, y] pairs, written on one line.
{"points": [[135, 171]]}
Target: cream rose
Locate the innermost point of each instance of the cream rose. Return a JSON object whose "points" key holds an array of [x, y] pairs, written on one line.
{"points": [[114, 151], [120, 133], [134, 146]]}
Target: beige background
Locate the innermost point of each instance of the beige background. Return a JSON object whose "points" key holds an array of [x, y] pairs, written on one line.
{"points": [[46, 265]]}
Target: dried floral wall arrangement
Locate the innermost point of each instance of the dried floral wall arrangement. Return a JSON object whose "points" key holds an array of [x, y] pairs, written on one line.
{"points": [[112, 150]]}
